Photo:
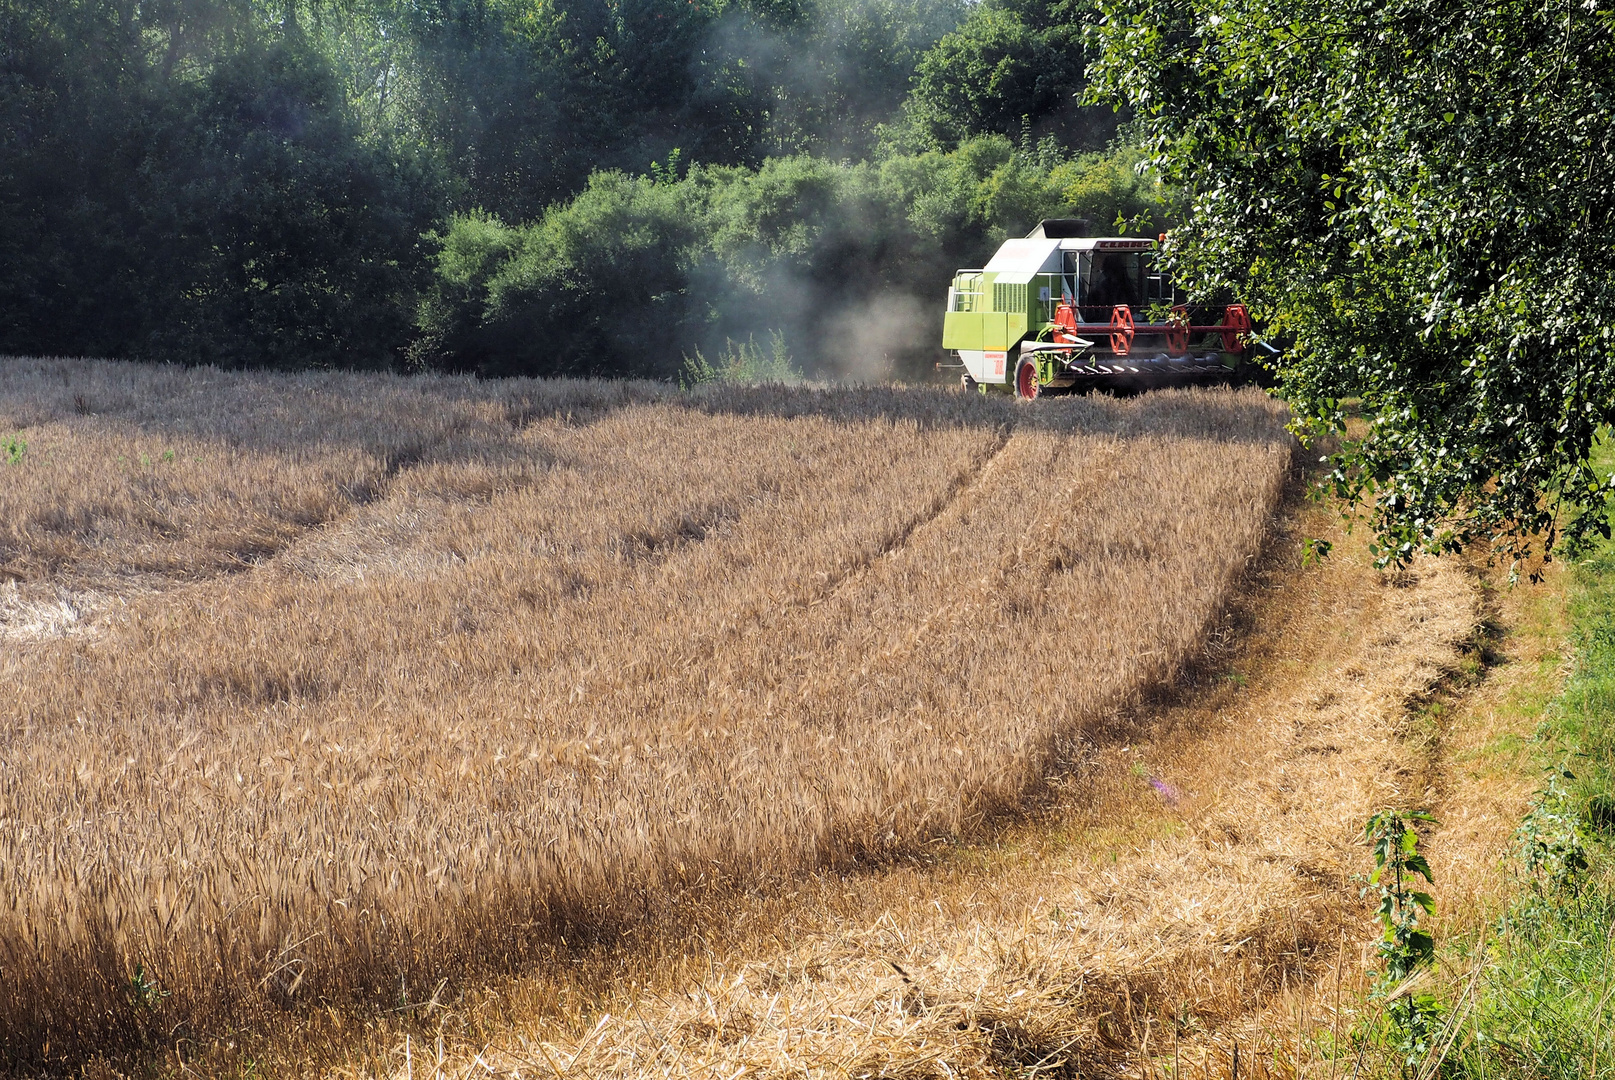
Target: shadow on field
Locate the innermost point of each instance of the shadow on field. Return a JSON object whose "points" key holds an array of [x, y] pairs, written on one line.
{"points": [[408, 419], [1222, 414], [400, 419]]}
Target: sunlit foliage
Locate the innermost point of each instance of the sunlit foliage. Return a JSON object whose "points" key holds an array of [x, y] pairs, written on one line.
{"points": [[1418, 197]]}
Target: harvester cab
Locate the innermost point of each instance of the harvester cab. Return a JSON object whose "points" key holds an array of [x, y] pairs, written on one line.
{"points": [[1059, 310]]}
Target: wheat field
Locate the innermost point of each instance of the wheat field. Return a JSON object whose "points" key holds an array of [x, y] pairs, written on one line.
{"points": [[325, 688]]}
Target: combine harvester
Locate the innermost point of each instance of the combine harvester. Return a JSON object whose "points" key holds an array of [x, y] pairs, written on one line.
{"points": [[1063, 311]]}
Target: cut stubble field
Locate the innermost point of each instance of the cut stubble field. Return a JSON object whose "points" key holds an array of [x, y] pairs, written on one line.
{"points": [[327, 688]]}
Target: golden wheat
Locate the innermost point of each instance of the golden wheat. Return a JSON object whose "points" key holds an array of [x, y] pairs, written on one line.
{"points": [[382, 680]]}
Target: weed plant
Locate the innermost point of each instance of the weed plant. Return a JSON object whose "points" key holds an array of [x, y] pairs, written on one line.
{"points": [[1405, 949], [744, 363]]}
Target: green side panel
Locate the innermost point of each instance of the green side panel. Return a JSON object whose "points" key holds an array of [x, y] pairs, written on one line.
{"points": [[962, 330], [1017, 327], [995, 332]]}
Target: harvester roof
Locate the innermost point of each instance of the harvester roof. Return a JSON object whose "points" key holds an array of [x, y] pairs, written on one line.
{"points": [[1041, 255], [1026, 256]]}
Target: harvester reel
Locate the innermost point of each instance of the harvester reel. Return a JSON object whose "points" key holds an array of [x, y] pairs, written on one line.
{"points": [[1121, 330], [1065, 322], [1177, 336], [1238, 321]]}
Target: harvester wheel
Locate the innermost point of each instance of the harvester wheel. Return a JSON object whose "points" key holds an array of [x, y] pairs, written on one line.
{"points": [[1027, 387], [1121, 330]]}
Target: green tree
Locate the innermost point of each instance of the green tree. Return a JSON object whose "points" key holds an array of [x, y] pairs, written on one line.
{"points": [[1009, 63], [1416, 197], [600, 285], [848, 261], [834, 71], [188, 181]]}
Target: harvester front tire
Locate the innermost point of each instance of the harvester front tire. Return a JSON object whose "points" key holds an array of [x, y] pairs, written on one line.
{"points": [[1027, 388]]}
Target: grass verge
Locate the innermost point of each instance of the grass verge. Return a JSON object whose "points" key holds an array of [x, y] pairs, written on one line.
{"points": [[1535, 1000]]}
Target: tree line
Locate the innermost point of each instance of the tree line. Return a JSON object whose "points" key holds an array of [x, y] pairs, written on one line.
{"points": [[376, 183], [1415, 197]]}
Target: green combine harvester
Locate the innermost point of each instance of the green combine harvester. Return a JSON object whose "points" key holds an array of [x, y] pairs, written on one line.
{"points": [[1060, 311]]}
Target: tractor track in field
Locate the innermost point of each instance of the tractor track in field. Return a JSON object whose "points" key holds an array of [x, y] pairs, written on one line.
{"points": [[975, 593], [838, 580], [966, 481]]}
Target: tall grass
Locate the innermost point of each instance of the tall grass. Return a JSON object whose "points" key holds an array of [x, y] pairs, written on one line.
{"points": [[1545, 986], [390, 681]]}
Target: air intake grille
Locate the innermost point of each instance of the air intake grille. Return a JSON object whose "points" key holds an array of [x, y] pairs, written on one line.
{"points": [[1008, 297]]}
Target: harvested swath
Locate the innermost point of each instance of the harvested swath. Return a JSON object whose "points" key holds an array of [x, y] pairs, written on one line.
{"points": [[554, 654]]}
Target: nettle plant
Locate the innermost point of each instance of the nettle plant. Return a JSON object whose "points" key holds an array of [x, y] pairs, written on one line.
{"points": [[1551, 839], [1404, 948]]}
